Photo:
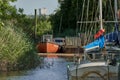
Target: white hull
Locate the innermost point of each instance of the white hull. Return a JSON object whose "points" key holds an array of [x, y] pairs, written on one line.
{"points": [[94, 69]]}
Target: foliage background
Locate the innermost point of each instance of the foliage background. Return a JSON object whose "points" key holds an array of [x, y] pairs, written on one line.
{"points": [[70, 11]]}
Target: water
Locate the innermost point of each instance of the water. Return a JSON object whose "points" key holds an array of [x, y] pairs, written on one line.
{"points": [[52, 69]]}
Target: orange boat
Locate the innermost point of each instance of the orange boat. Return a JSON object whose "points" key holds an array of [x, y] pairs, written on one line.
{"points": [[47, 47]]}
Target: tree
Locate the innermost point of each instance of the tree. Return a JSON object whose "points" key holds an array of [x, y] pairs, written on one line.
{"points": [[6, 10], [43, 27], [81, 10], [21, 10]]}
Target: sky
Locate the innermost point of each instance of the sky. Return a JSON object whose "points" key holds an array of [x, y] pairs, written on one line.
{"points": [[30, 5]]}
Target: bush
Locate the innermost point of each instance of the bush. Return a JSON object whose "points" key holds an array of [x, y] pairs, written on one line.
{"points": [[16, 48]]}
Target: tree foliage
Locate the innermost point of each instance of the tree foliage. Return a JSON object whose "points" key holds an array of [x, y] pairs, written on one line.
{"points": [[16, 47], [6, 10], [72, 11]]}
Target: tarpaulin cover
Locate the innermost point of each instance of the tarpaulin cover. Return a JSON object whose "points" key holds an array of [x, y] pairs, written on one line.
{"points": [[99, 42]]}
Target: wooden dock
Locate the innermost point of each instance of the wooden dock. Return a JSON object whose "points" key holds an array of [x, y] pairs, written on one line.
{"points": [[60, 54]]}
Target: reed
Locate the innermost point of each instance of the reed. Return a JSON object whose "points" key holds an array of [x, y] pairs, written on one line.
{"points": [[16, 48]]}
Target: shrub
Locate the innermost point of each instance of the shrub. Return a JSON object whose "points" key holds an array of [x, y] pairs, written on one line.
{"points": [[16, 48]]}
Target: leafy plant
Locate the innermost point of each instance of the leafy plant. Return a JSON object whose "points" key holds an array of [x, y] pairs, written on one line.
{"points": [[15, 47]]}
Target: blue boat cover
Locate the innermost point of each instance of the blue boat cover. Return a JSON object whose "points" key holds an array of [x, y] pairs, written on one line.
{"points": [[98, 43], [114, 36], [111, 37]]}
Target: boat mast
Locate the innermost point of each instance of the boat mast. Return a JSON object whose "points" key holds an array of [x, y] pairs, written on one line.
{"points": [[115, 5], [101, 21]]}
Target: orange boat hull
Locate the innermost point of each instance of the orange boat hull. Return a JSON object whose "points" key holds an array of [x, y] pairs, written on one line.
{"points": [[47, 47]]}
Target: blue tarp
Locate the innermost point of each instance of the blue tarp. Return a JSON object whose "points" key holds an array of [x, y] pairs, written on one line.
{"points": [[98, 43], [111, 37]]}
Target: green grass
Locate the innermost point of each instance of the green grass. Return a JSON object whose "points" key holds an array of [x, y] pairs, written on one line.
{"points": [[16, 48]]}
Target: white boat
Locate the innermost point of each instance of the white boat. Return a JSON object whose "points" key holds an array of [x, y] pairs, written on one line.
{"points": [[96, 68]]}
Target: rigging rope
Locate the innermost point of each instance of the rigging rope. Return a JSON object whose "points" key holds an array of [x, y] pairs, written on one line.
{"points": [[92, 24], [82, 14], [111, 9], [87, 20], [93, 31]]}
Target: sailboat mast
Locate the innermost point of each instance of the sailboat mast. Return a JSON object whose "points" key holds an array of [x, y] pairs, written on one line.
{"points": [[115, 5], [101, 21]]}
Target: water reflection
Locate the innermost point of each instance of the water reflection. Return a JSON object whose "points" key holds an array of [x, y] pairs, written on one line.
{"points": [[51, 69]]}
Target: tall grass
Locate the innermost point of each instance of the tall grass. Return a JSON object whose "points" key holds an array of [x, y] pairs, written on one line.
{"points": [[16, 48]]}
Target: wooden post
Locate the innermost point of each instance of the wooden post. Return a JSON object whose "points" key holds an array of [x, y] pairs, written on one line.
{"points": [[35, 28]]}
